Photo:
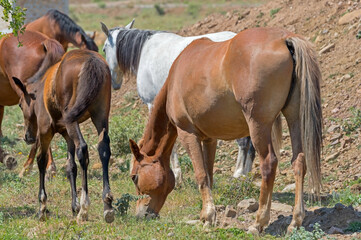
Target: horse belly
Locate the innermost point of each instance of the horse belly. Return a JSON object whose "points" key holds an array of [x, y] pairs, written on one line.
{"points": [[223, 119]]}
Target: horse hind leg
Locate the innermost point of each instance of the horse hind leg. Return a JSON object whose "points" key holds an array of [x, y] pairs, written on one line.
{"points": [[101, 123], [81, 147], [28, 166], [298, 163], [174, 161], [261, 137], [245, 158], [9, 161]]}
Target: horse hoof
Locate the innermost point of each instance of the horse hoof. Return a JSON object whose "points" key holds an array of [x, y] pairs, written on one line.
{"points": [[109, 216], [10, 162], [42, 216], [82, 217]]}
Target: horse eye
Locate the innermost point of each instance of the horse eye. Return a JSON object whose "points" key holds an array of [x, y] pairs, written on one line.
{"points": [[135, 178]]}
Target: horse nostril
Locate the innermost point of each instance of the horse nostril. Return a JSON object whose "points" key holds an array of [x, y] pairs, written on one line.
{"points": [[135, 178]]}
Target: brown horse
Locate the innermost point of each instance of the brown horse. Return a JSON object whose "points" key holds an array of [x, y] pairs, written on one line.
{"points": [[59, 26], [23, 63], [56, 101], [231, 90]]}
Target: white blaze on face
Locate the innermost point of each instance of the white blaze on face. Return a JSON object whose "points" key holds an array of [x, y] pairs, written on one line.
{"points": [[111, 57]]}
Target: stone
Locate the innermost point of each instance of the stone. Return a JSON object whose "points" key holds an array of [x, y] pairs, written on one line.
{"points": [[327, 48], [289, 188], [349, 17], [230, 212], [339, 206], [281, 207], [335, 136], [335, 110], [193, 222], [171, 234], [345, 77], [333, 128], [332, 156], [335, 230], [248, 204], [227, 221], [220, 208]]}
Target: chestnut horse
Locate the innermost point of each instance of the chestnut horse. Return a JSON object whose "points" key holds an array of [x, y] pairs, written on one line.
{"points": [[61, 27], [56, 101], [229, 90], [14, 61]]}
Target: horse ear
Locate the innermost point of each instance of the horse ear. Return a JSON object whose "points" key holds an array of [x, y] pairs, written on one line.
{"points": [[94, 34], [105, 29], [20, 85], [130, 25], [135, 150]]}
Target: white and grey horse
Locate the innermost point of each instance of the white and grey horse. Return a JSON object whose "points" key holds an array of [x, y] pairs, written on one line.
{"points": [[149, 55]]}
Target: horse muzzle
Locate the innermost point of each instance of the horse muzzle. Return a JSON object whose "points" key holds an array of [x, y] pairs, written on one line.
{"points": [[29, 140]]}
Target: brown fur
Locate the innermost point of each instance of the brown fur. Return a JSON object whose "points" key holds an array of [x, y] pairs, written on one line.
{"points": [[230, 90], [23, 62], [68, 93]]}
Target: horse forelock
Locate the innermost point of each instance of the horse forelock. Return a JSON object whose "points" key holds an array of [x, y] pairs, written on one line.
{"points": [[129, 45]]}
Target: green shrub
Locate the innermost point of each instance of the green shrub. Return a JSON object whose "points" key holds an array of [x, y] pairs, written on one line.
{"points": [[123, 128], [193, 9], [352, 123], [159, 9], [354, 227], [273, 12], [233, 190], [302, 234]]}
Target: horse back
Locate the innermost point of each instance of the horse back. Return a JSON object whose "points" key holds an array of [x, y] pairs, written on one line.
{"points": [[77, 79]]}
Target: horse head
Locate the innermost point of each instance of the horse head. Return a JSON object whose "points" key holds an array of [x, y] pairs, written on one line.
{"points": [[26, 103], [110, 50], [151, 178]]}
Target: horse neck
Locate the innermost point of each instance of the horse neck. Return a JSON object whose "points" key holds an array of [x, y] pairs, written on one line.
{"points": [[160, 133]]}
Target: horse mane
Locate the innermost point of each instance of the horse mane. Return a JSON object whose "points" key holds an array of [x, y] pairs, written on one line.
{"points": [[129, 45], [54, 51], [69, 27]]}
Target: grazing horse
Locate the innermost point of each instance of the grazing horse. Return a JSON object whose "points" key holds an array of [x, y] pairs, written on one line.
{"points": [[72, 90], [149, 55], [14, 61], [62, 28], [229, 90]]}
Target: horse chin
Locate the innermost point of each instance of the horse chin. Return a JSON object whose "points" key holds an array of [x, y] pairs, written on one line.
{"points": [[144, 210]]}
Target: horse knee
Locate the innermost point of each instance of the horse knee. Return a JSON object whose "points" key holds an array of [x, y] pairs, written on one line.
{"points": [[268, 167]]}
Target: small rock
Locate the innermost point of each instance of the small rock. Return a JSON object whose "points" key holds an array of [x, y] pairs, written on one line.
{"points": [[349, 17], [333, 128], [325, 31], [335, 136], [249, 204], [335, 110], [171, 234], [335, 230], [345, 77], [327, 48], [339, 206], [281, 207], [192, 222], [220, 208], [217, 170], [335, 142], [230, 212], [290, 187], [332, 156], [227, 221]]}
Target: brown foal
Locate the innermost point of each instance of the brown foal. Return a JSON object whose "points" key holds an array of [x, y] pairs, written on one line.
{"points": [[72, 90]]}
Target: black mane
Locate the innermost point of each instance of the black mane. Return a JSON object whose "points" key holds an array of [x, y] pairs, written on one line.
{"points": [[69, 27], [129, 46]]}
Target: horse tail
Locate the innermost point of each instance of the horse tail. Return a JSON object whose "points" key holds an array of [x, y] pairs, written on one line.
{"points": [[307, 75], [92, 77], [277, 136], [54, 51]]}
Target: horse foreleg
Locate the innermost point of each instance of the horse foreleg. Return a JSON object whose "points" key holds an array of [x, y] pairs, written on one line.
{"points": [[50, 168], [194, 149], [74, 133], [174, 162], [28, 166], [261, 135], [1, 119]]}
